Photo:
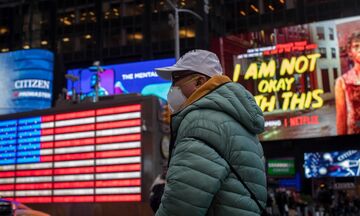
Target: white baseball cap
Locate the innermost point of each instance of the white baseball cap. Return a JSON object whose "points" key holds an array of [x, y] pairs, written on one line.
{"points": [[200, 61]]}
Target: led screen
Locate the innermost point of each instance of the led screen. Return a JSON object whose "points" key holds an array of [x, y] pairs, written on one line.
{"points": [[305, 78], [333, 164], [26, 80], [281, 167], [137, 77], [85, 156]]}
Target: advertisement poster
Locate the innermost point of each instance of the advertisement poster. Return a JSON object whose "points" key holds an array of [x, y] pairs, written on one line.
{"points": [[332, 164], [26, 80], [305, 78], [137, 77]]}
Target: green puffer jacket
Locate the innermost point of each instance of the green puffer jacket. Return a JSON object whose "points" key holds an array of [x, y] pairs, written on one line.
{"points": [[220, 115]]}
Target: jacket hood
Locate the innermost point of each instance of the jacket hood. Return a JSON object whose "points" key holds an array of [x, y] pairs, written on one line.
{"points": [[221, 94]]}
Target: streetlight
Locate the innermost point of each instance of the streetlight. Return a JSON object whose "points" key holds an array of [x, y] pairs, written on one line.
{"points": [[177, 38]]}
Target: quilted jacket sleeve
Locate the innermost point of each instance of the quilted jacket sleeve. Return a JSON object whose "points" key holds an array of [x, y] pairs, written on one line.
{"points": [[195, 175]]}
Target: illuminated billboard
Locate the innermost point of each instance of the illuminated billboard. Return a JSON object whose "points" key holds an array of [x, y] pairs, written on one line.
{"points": [[332, 164], [137, 77], [26, 80], [91, 155], [305, 78], [281, 167]]}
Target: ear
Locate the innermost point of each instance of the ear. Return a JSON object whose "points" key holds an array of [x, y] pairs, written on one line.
{"points": [[201, 81]]}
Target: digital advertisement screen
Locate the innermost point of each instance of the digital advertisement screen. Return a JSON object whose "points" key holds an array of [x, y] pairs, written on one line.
{"points": [[305, 78], [332, 164], [26, 80], [281, 167], [137, 77], [85, 156]]}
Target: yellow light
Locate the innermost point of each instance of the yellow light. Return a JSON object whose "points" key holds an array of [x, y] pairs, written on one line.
{"points": [[271, 7], [135, 36], [186, 33], [72, 15], [138, 36], [117, 14], [44, 42], [155, 11], [3, 30], [242, 13], [92, 13], [26, 46], [106, 17], [183, 3], [66, 39], [82, 18], [67, 22], [254, 8], [282, 1], [87, 36], [115, 9], [141, 5], [161, 3], [5, 50]]}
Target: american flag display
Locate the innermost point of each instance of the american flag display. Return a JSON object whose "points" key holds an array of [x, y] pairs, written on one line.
{"points": [[83, 156]]}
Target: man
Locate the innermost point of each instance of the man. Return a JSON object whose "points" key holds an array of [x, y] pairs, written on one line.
{"points": [[214, 130], [347, 92]]}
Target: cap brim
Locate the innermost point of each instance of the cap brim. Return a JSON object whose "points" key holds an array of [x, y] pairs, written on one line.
{"points": [[166, 72]]}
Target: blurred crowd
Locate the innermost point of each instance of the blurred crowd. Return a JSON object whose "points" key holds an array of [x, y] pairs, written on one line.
{"points": [[325, 202]]}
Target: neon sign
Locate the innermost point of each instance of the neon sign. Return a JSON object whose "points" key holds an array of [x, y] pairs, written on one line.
{"points": [[85, 156]]}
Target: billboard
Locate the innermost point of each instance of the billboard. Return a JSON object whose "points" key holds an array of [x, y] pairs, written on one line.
{"points": [[281, 167], [137, 77], [91, 155], [332, 164], [26, 80], [305, 78]]}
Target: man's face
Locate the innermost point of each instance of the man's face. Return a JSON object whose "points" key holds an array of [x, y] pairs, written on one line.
{"points": [[186, 81], [354, 51]]}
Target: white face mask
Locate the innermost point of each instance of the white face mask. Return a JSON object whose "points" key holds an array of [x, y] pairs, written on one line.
{"points": [[175, 98]]}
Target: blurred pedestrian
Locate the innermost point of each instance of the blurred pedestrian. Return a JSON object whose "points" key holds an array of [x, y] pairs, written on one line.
{"points": [[216, 163]]}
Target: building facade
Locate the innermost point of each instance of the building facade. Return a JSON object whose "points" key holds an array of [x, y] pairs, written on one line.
{"points": [[114, 31]]}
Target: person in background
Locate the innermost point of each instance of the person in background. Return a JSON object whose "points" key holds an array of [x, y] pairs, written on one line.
{"points": [[216, 162], [157, 190], [347, 92]]}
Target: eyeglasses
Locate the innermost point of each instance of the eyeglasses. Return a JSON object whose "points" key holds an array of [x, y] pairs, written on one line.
{"points": [[176, 76], [185, 81]]}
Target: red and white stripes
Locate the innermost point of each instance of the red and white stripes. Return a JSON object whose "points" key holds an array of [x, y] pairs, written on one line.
{"points": [[85, 156]]}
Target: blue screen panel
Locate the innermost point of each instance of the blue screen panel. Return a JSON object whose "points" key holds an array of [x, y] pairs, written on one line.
{"points": [[26, 80], [137, 77], [332, 164]]}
